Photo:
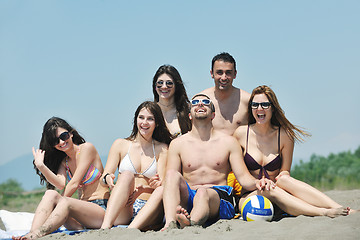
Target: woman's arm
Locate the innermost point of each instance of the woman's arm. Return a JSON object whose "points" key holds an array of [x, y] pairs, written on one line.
{"points": [[287, 149], [113, 162], [88, 154], [156, 181], [59, 179]]}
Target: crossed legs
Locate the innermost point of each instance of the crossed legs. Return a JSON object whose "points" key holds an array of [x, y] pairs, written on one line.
{"points": [[298, 198]]}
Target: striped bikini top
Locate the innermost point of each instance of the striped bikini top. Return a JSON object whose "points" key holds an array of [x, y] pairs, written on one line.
{"points": [[90, 176]]}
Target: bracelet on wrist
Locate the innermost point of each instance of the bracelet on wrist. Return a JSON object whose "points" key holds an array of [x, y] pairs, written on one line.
{"points": [[104, 178]]}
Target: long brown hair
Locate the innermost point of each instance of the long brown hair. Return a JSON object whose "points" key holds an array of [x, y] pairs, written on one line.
{"points": [[54, 157], [278, 116], [161, 132], [181, 98]]}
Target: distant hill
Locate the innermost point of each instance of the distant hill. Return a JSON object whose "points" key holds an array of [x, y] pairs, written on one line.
{"points": [[21, 169]]}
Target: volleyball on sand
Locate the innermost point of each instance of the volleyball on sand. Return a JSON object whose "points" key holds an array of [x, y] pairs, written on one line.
{"points": [[257, 208]]}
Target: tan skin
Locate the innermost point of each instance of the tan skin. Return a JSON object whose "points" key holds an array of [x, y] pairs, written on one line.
{"points": [[203, 158], [130, 186], [293, 196], [55, 210], [167, 103], [230, 102]]}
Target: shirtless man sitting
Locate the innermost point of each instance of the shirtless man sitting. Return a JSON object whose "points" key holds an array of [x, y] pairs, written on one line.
{"points": [[230, 102], [195, 191]]}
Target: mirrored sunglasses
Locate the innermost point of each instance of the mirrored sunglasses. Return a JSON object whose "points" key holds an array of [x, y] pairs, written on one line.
{"points": [[264, 105], [168, 83], [203, 101]]}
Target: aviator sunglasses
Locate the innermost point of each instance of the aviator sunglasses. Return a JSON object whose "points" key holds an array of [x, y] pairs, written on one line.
{"points": [[264, 105], [64, 136], [203, 101], [168, 84]]}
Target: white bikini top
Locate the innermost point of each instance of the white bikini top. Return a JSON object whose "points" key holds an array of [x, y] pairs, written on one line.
{"points": [[127, 165]]}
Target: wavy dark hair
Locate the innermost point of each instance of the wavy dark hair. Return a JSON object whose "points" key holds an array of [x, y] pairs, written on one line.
{"points": [[278, 116], [54, 157], [161, 132], [225, 57], [181, 99]]}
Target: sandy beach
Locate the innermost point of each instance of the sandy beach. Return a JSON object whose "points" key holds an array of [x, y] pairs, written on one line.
{"points": [[301, 227]]}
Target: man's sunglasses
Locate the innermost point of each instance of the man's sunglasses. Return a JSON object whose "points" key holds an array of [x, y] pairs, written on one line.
{"points": [[264, 105], [168, 84], [203, 101], [64, 136]]}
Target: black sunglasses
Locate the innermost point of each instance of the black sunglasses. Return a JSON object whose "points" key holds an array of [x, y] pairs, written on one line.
{"points": [[168, 84], [64, 136], [264, 105]]}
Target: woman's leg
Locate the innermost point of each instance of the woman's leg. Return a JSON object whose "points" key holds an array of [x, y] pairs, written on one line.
{"points": [[306, 192], [296, 206], [88, 214], [45, 208], [117, 212], [152, 213]]}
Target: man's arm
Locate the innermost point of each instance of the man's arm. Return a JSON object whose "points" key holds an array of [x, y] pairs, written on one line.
{"points": [[173, 156]]}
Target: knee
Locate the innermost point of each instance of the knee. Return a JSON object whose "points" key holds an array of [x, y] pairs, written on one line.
{"points": [[284, 180], [202, 193], [51, 196], [64, 202]]}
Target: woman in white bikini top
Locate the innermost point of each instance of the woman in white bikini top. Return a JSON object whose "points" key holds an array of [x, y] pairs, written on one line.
{"points": [[141, 160], [127, 165]]}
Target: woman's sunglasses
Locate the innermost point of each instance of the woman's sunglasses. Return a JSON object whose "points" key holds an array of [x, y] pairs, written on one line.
{"points": [[264, 105], [203, 101], [168, 84], [64, 136]]}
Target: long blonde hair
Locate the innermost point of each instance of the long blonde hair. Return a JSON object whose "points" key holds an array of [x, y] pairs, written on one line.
{"points": [[278, 117]]}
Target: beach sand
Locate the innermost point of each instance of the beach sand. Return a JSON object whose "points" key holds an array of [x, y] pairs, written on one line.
{"points": [[344, 227]]}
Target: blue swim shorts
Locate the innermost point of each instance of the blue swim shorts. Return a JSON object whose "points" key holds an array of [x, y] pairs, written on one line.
{"points": [[226, 208]]}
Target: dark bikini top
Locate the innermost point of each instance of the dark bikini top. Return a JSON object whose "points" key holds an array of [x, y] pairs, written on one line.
{"points": [[252, 164]]}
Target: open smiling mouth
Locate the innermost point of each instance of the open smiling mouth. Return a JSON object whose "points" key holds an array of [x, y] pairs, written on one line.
{"points": [[261, 116]]}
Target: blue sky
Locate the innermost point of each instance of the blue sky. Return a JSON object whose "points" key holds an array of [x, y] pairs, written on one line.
{"points": [[92, 63]]}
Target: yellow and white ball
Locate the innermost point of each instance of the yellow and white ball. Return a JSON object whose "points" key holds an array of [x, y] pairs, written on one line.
{"points": [[257, 208]]}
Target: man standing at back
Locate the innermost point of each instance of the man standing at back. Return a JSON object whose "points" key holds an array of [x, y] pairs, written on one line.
{"points": [[230, 102]]}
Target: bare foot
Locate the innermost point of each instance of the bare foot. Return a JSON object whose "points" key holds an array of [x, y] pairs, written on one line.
{"points": [[182, 217], [336, 212], [171, 225], [354, 211]]}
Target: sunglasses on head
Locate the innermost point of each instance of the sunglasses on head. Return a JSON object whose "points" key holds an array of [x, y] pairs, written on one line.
{"points": [[264, 105], [63, 136], [203, 101], [168, 83]]}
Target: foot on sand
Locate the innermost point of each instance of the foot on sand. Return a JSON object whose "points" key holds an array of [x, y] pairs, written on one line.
{"points": [[29, 236], [336, 212], [354, 211], [182, 217], [172, 225]]}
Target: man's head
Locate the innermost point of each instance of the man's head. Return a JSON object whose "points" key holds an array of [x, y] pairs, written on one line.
{"points": [[223, 71], [225, 57], [201, 107]]}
